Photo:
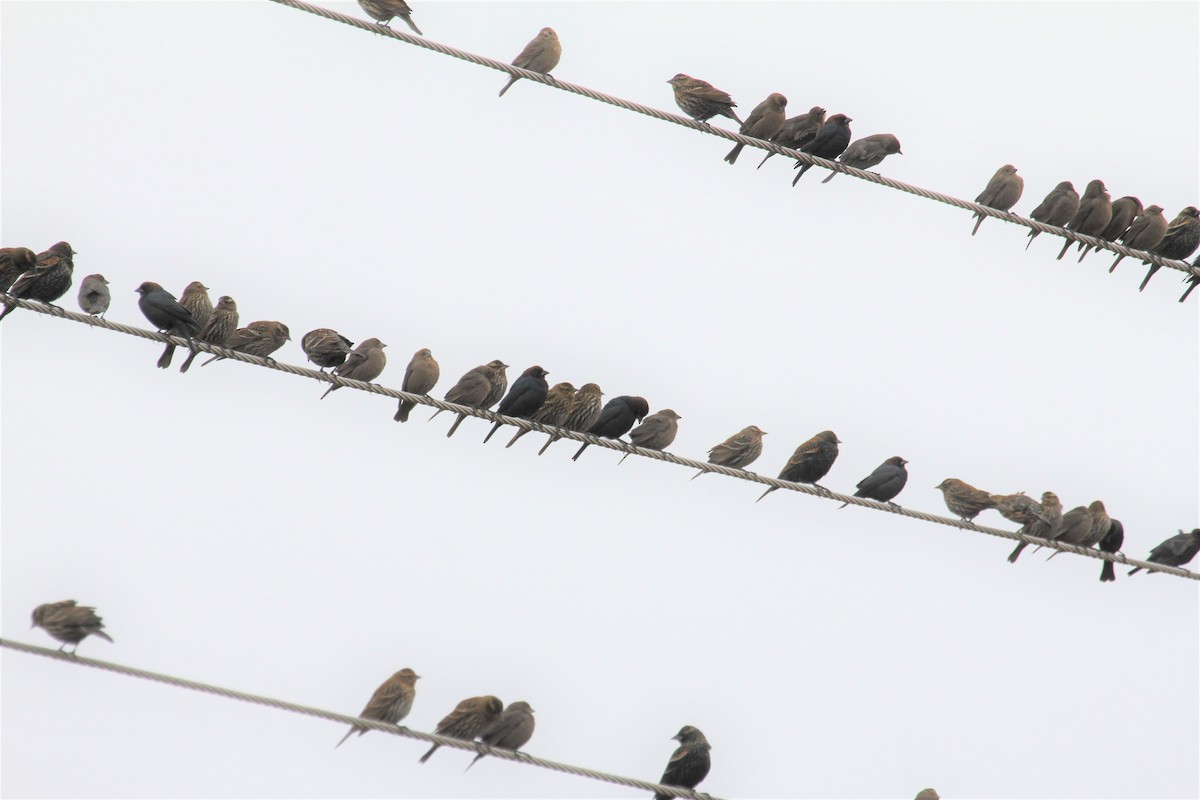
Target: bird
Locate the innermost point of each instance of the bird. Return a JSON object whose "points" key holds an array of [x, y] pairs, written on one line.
{"points": [[1075, 528], [364, 363], [738, 451], [259, 338], [168, 315], [325, 347], [616, 418], [467, 720], [510, 731], [68, 622], [1124, 211], [1176, 551], [1057, 208], [690, 762], [868, 151], [1001, 193], [884, 483], [559, 401], [585, 410], [382, 12], [1046, 521], [927, 794], [764, 122], [810, 462], [196, 300], [1111, 543], [1180, 241], [700, 100], [797, 131], [94, 296], [540, 55], [420, 376], [524, 397], [13, 262], [49, 279], [477, 388], [1019, 507], [656, 432], [1093, 216], [1100, 522], [829, 143], [219, 330], [963, 499], [1144, 233], [1193, 279], [390, 703]]}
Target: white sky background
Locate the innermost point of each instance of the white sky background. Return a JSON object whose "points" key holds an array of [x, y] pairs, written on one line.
{"points": [[232, 529]]}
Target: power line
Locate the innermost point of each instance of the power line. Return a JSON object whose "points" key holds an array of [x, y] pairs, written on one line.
{"points": [[611, 444], [345, 719], [628, 105]]}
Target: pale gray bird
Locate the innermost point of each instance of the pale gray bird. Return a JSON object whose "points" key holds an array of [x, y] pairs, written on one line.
{"points": [[391, 702], [868, 151], [364, 363], [68, 622], [540, 55], [1056, 209], [1093, 216], [511, 730], [1044, 525], [1146, 231], [656, 432], [1002, 192], [94, 296], [797, 131], [738, 451], [1124, 210], [420, 377], [764, 121]]}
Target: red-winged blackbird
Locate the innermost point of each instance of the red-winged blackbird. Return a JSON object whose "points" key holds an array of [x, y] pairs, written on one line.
{"points": [[219, 330], [382, 12], [764, 122], [364, 363], [616, 418], [1176, 551], [1124, 210], [326, 348], [260, 338], [1047, 520], [797, 131], [700, 100], [1002, 193], [689, 763], [559, 401], [468, 719], [391, 702], [49, 279], [420, 377], [810, 462], [511, 730], [964, 499], [829, 143], [1181, 240], [585, 410], [94, 296], [1056, 209], [540, 55], [1144, 233], [884, 483], [526, 396], [656, 432], [13, 262], [1093, 216], [738, 451], [868, 152], [1111, 543], [68, 622]]}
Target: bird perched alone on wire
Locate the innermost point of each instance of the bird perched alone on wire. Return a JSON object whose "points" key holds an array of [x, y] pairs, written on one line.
{"points": [[68, 622], [656, 432], [325, 347], [559, 401], [49, 279], [617, 417], [1111, 543], [468, 719], [364, 363], [1001, 193], [168, 315], [797, 131], [420, 376], [511, 730], [391, 702], [1056, 209], [540, 55], [1180, 241], [964, 499], [738, 451], [1176, 551], [481, 387], [884, 483], [13, 262], [829, 143], [260, 338], [94, 296], [700, 100], [764, 122], [810, 462], [1047, 519], [1124, 210], [1144, 233], [585, 410], [219, 330], [868, 152], [382, 11], [690, 762], [1093, 216]]}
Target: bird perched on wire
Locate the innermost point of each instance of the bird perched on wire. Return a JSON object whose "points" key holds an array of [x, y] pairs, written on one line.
{"points": [[1124, 210], [884, 483], [219, 330], [260, 338], [1111, 543], [559, 402], [68, 622], [1144, 233], [616, 418], [168, 315], [49, 279], [524, 397], [1193, 279], [868, 152], [390, 703], [690, 762], [1056, 209], [1093, 216], [468, 719], [797, 131], [1019, 507], [1046, 520], [1001, 193], [700, 100], [481, 387], [196, 300], [1097, 529], [540, 55], [656, 432], [829, 143], [382, 11], [94, 296], [964, 499], [364, 363], [510, 731], [810, 462], [13, 262], [738, 451], [585, 410], [764, 122], [1176, 551], [420, 376], [1180, 241], [325, 347]]}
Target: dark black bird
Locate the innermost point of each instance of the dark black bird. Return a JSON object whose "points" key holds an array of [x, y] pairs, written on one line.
{"points": [[168, 315], [48, 280], [1193, 281], [1176, 551], [829, 142], [617, 418], [1182, 239], [689, 763], [1111, 543], [810, 462], [524, 397], [885, 482]]}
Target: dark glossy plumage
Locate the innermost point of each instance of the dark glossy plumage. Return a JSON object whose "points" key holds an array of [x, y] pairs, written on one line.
{"points": [[829, 142], [468, 719], [1111, 543], [810, 462], [616, 419], [885, 482], [1181, 240], [526, 396], [1176, 551], [689, 764], [554, 411], [168, 315]]}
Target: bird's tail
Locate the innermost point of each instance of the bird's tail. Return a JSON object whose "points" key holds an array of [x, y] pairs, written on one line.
{"points": [[828, 179], [479, 756], [767, 492], [733, 154], [1153, 269], [622, 461], [803, 169], [188, 361], [1135, 569], [1107, 572], [1114, 266], [979, 218], [495, 428], [349, 733], [440, 410], [520, 432], [697, 475], [103, 635], [8, 310], [168, 353], [1063, 252], [454, 427], [1032, 235], [402, 412], [553, 438], [408, 21], [579, 452], [1194, 283], [1086, 249], [425, 757], [330, 389], [768, 155], [511, 81], [1012, 557]]}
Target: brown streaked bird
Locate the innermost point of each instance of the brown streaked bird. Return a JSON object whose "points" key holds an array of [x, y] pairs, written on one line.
{"points": [[420, 376], [365, 363], [68, 622], [964, 499], [511, 730], [382, 11], [1056, 209], [477, 388], [49, 279], [390, 703], [325, 347], [540, 55], [656, 432], [1002, 193], [867, 152], [196, 300], [468, 719], [797, 131], [1093, 216], [738, 451], [585, 410], [554, 412], [13, 262], [690, 762], [260, 338], [700, 100], [94, 296], [1018, 507], [1124, 210], [1180, 241], [764, 122], [1046, 522], [1144, 232], [810, 462], [219, 330]]}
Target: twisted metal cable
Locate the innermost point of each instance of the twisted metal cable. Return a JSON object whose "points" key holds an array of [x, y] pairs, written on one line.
{"points": [[611, 444], [345, 719], [703, 127]]}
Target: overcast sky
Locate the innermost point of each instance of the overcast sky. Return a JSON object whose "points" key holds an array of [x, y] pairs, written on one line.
{"points": [[233, 529]]}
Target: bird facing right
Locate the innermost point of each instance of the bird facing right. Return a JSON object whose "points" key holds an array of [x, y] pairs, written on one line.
{"points": [[524, 397], [690, 762], [1093, 216], [15, 261], [365, 363], [68, 622], [738, 451], [1056, 209], [219, 330], [553, 412], [1145, 232], [617, 417], [764, 122], [1124, 210], [829, 143], [420, 376], [885, 482], [868, 152], [260, 338], [1180, 241], [1001, 193], [1176, 551], [797, 131], [511, 730], [810, 462], [391, 702], [656, 432], [49, 279], [468, 719], [540, 55], [325, 347]]}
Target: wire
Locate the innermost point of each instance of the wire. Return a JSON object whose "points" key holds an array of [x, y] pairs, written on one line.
{"points": [[611, 444], [628, 105], [345, 719]]}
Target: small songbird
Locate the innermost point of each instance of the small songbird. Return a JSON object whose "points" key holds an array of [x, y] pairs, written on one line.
{"points": [[1193, 279], [700, 100], [1176, 551], [1111, 543], [964, 499], [1100, 522], [364, 363], [797, 131], [884, 483], [467, 720], [868, 152], [690, 762], [220, 328], [420, 377], [1144, 233], [325, 347], [1056, 209], [68, 622], [585, 410], [559, 401], [1180, 241], [1002, 193], [810, 462], [764, 122], [13, 262], [1093, 216], [1124, 210], [94, 296], [391, 702], [617, 417], [656, 432], [526, 396], [260, 338], [382, 12], [481, 387], [1019, 508], [1046, 521], [540, 55], [829, 143], [511, 730], [738, 451], [168, 315], [196, 300], [927, 794], [49, 279]]}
